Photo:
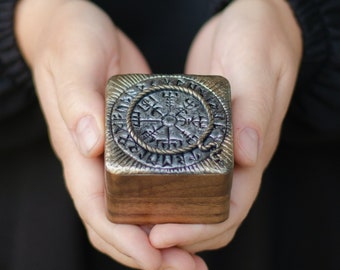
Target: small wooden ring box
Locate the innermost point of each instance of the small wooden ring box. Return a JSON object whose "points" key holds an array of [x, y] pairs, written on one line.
{"points": [[168, 149]]}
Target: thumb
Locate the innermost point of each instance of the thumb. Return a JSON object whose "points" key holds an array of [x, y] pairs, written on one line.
{"points": [[80, 86], [252, 108], [252, 90]]}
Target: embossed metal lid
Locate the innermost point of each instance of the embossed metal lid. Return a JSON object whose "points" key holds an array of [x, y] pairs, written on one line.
{"points": [[174, 124]]}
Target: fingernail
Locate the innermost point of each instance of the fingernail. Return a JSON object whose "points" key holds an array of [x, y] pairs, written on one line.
{"points": [[249, 142], [86, 134]]}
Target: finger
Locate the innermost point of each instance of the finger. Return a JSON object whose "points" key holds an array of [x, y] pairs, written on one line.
{"points": [[216, 242], [244, 192], [252, 107], [80, 93], [109, 250], [85, 181], [253, 82], [79, 82], [87, 189], [175, 258], [198, 237], [243, 58], [193, 238], [131, 258]]}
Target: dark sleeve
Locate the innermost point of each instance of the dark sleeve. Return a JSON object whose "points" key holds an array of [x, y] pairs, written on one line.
{"points": [[218, 5], [16, 87], [315, 108], [312, 20]]}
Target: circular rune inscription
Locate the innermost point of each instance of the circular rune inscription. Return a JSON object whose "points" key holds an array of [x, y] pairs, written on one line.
{"points": [[168, 123]]}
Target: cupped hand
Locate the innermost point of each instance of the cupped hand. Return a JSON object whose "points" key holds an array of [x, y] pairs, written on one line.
{"points": [[73, 48], [256, 44]]}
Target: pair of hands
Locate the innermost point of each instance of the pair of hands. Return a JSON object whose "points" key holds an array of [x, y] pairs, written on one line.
{"points": [[73, 48]]}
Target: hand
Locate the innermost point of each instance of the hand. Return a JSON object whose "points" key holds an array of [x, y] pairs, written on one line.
{"points": [[73, 48], [257, 45]]}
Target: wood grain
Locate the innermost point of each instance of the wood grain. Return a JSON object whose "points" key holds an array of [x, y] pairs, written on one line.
{"points": [[155, 199]]}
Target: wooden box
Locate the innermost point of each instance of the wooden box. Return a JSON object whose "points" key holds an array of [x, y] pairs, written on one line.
{"points": [[168, 149]]}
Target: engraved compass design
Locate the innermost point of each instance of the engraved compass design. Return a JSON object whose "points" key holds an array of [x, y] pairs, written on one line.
{"points": [[168, 123]]}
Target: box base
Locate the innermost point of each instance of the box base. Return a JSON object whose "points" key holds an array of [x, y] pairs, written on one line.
{"points": [[156, 199]]}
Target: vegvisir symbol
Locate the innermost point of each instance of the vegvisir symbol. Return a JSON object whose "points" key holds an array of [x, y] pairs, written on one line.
{"points": [[174, 129]]}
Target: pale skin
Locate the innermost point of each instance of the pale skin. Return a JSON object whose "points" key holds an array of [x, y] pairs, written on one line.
{"points": [[73, 48]]}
